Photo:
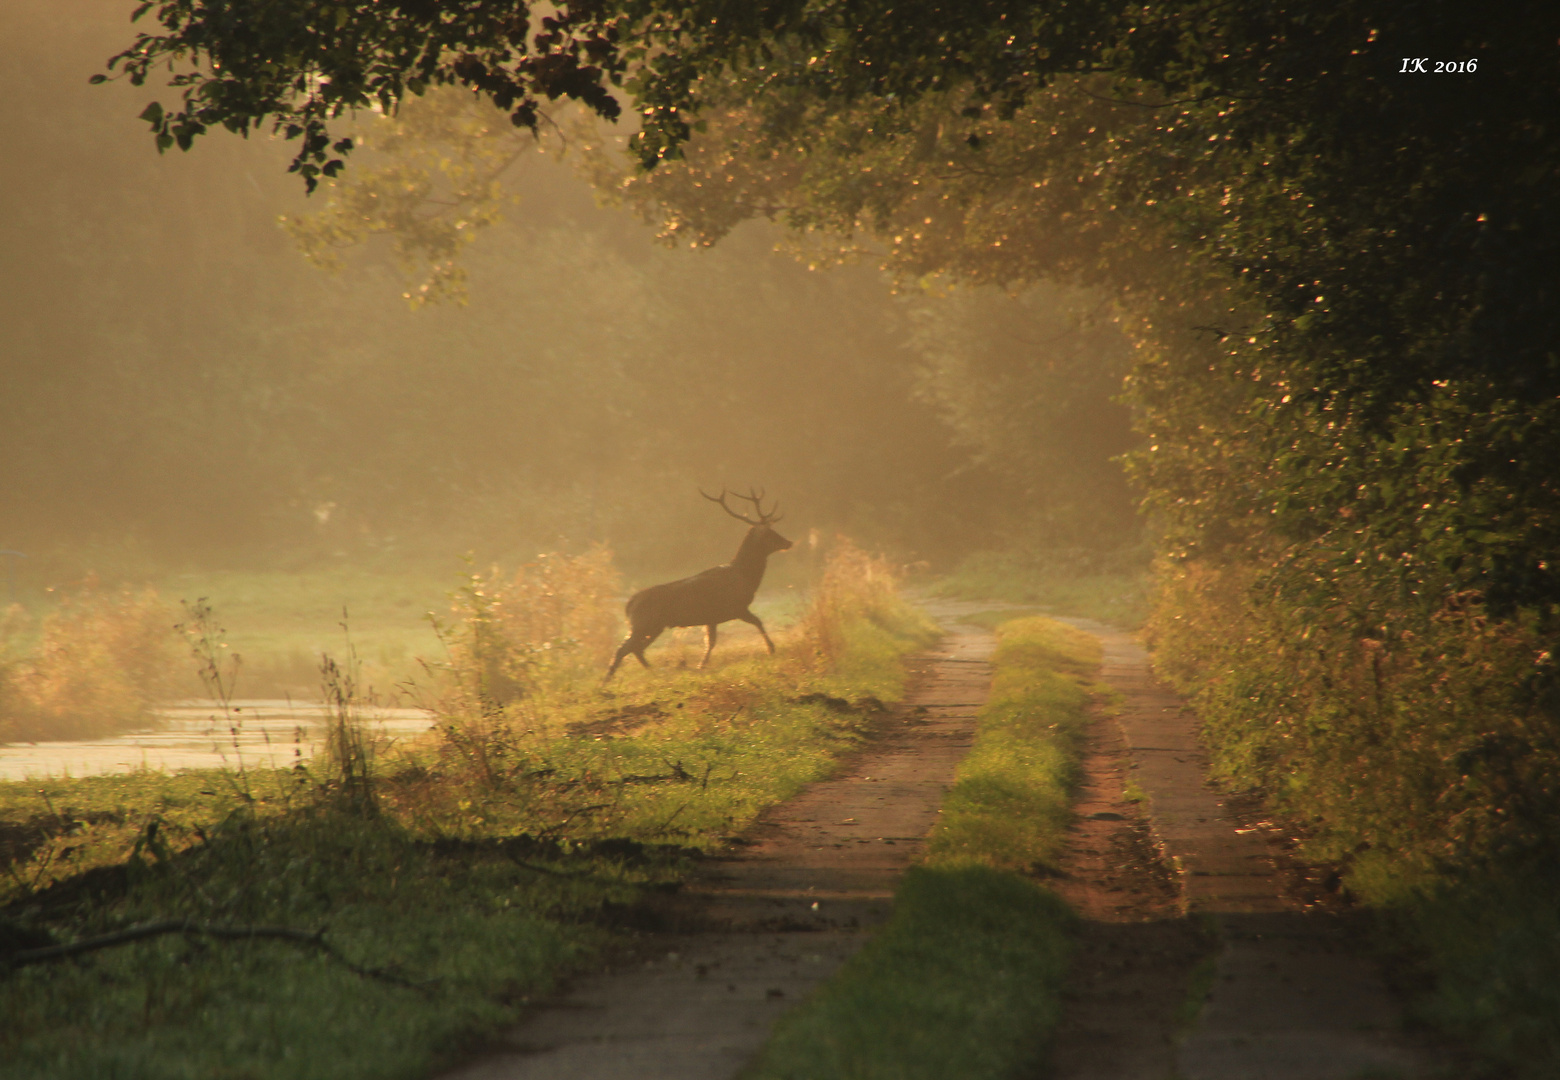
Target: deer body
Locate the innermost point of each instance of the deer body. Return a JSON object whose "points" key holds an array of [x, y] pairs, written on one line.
{"points": [[708, 598]]}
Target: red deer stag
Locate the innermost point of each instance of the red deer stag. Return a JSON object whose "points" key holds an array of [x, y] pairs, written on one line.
{"points": [[707, 599]]}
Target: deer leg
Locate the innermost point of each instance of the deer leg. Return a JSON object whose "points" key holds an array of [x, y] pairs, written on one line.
{"points": [[709, 644], [636, 643], [616, 660], [754, 620], [644, 641]]}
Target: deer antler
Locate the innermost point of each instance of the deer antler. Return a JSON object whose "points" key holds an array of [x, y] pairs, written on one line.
{"points": [[754, 497]]}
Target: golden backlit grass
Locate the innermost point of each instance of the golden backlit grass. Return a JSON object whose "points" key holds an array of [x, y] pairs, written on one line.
{"points": [[478, 865], [527, 739], [96, 664]]}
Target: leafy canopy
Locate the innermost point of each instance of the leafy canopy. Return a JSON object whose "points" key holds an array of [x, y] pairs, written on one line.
{"points": [[1354, 243]]}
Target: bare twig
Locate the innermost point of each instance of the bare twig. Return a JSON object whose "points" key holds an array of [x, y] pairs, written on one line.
{"points": [[549, 871], [314, 940]]}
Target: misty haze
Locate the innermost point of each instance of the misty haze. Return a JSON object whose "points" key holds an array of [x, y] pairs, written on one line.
{"points": [[830, 540]]}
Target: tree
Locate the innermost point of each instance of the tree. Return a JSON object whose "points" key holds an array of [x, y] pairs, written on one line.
{"points": [[1252, 170], [1330, 233]]}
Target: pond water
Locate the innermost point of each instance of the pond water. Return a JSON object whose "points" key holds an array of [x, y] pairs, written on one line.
{"points": [[197, 735]]}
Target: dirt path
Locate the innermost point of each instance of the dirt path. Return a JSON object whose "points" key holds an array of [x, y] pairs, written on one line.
{"points": [[755, 932], [1179, 900], [1292, 994], [1137, 951]]}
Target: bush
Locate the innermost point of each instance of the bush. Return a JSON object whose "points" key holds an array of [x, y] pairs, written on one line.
{"points": [[854, 586], [95, 665], [557, 617], [1418, 738], [1418, 743]]}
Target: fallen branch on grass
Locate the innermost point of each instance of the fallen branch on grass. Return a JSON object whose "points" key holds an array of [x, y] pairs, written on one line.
{"points": [[315, 940]]}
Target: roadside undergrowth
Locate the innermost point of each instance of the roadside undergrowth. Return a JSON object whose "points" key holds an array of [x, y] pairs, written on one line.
{"points": [[1413, 738], [965, 978], [449, 881]]}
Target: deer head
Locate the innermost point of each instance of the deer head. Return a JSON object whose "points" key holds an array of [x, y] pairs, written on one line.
{"points": [[761, 540]]}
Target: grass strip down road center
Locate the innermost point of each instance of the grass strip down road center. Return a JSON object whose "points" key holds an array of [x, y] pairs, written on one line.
{"points": [[965, 979]]}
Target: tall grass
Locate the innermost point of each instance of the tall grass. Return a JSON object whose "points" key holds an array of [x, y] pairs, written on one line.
{"points": [[526, 733], [475, 866], [856, 590], [543, 628], [96, 664]]}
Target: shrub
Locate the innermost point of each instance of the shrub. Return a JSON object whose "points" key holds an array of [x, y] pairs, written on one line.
{"points": [[1418, 741], [854, 585], [557, 616], [98, 664], [1416, 734]]}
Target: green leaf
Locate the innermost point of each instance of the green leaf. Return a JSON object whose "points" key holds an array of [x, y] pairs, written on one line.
{"points": [[153, 113]]}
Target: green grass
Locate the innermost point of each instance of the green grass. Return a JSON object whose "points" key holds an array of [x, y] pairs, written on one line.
{"points": [[280, 623], [476, 930], [1118, 596], [965, 978], [1488, 950], [493, 860]]}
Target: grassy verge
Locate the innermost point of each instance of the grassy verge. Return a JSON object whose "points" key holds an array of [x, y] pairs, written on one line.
{"points": [[1117, 594], [280, 623], [1487, 951], [453, 880], [965, 979]]}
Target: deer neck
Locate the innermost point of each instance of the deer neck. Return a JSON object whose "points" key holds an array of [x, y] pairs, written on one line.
{"points": [[752, 558]]}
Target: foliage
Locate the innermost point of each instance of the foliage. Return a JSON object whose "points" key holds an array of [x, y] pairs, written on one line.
{"points": [[96, 664], [1248, 136], [476, 868], [1028, 382], [1490, 948], [219, 405], [1219, 168], [1340, 277], [965, 978], [1414, 735], [554, 619], [557, 750], [1025, 383], [855, 586], [440, 189], [566, 605], [1419, 739]]}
